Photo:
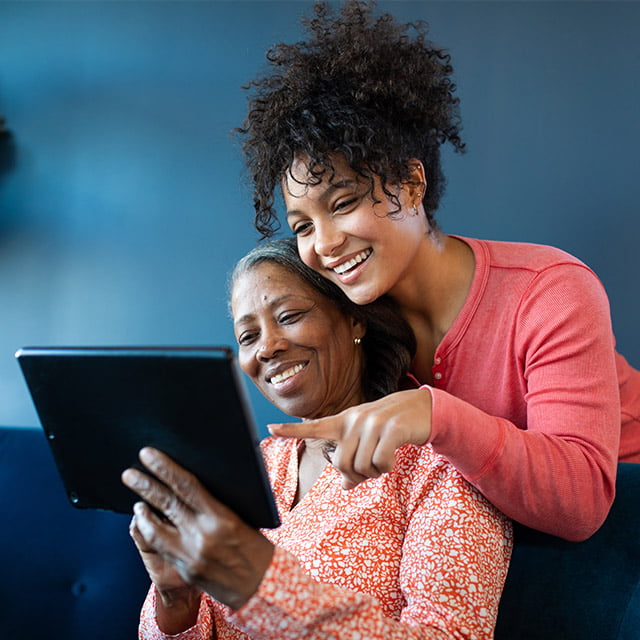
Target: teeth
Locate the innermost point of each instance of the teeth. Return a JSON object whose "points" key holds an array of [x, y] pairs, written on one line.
{"points": [[345, 266], [281, 377]]}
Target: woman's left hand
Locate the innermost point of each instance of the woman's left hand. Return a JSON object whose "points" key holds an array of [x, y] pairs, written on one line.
{"points": [[208, 544]]}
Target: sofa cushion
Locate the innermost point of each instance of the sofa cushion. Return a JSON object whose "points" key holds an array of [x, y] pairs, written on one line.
{"points": [[67, 573]]}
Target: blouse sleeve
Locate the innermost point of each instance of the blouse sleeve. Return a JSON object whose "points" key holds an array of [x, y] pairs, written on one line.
{"points": [[148, 629], [455, 556], [558, 475]]}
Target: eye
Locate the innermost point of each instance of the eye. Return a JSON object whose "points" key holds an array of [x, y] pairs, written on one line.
{"points": [[345, 205], [289, 317], [247, 338], [302, 228]]}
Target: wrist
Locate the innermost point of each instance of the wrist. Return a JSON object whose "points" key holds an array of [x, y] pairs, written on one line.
{"points": [[177, 609]]}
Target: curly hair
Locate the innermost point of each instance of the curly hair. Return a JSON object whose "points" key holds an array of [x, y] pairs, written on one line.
{"points": [[369, 88], [388, 344]]}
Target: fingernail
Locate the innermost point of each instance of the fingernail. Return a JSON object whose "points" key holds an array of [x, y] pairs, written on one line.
{"points": [[146, 454]]}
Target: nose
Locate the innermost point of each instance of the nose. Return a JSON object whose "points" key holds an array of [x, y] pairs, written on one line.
{"points": [[328, 237], [271, 344]]}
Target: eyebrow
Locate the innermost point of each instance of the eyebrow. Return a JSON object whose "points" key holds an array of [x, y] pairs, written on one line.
{"points": [[247, 317], [328, 192]]}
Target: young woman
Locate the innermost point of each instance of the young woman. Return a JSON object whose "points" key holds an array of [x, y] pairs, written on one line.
{"points": [[521, 386], [417, 553]]}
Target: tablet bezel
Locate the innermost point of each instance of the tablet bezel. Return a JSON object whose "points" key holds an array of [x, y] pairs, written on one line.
{"points": [[189, 402]]}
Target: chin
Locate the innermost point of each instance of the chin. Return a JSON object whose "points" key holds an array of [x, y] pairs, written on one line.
{"points": [[295, 410], [361, 297]]}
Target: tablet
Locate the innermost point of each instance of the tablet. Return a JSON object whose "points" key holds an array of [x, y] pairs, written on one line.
{"points": [[99, 406]]}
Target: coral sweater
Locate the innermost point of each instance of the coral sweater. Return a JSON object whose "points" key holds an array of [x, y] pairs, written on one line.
{"points": [[531, 402], [415, 554]]}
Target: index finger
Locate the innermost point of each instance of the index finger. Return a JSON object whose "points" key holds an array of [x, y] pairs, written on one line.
{"points": [[329, 428]]}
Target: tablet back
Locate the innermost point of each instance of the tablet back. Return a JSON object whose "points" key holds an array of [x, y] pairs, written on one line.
{"points": [[100, 406]]}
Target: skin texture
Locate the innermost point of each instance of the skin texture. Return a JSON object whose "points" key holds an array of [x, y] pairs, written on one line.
{"points": [[279, 324], [199, 544], [338, 219]]}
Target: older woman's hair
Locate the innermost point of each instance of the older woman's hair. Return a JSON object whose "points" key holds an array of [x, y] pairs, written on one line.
{"points": [[367, 87], [388, 344]]}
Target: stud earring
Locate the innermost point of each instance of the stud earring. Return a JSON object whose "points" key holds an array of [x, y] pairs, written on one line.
{"points": [[357, 340]]}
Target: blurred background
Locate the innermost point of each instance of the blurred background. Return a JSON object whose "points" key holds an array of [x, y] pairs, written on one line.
{"points": [[123, 202]]}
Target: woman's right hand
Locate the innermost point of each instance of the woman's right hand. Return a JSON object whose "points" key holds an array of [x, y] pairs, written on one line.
{"points": [[368, 435]]}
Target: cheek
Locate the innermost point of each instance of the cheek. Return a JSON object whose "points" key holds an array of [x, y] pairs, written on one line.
{"points": [[247, 363], [307, 253]]}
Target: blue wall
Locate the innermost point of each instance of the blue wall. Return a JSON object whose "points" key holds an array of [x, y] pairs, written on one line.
{"points": [[127, 204]]}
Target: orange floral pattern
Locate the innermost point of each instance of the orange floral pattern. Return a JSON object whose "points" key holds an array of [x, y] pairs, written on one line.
{"points": [[416, 553]]}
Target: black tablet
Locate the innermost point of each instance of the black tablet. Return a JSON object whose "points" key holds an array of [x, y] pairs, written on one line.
{"points": [[100, 405]]}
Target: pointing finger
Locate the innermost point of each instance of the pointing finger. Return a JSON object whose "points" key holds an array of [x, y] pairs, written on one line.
{"points": [[330, 428]]}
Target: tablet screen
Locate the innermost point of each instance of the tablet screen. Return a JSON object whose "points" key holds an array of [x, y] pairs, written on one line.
{"points": [[99, 406]]}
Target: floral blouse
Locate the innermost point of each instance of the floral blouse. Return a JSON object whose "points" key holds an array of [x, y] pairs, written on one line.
{"points": [[415, 553]]}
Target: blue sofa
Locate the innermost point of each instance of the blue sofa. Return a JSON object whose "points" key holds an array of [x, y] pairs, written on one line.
{"points": [[69, 574]]}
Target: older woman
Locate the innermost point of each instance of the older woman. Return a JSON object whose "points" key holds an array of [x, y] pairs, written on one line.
{"points": [[416, 553]]}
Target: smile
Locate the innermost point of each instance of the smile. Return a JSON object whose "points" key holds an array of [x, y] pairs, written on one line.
{"points": [[349, 264], [285, 375]]}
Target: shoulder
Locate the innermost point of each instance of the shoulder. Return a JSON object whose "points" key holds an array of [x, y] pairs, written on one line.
{"points": [[421, 468], [521, 255], [425, 477]]}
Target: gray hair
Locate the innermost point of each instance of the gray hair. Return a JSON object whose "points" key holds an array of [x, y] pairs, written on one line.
{"points": [[388, 344]]}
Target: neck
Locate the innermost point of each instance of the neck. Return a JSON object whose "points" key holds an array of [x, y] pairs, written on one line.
{"points": [[432, 294]]}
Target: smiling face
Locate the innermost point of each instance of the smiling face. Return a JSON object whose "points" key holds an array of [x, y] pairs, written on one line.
{"points": [[354, 237], [294, 343]]}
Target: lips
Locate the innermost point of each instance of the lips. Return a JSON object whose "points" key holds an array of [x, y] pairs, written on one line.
{"points": [[286, 373], [343, 267]]}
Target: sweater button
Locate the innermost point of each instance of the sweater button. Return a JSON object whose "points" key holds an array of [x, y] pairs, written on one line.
{"points": [[437, 375], [438, 360]]}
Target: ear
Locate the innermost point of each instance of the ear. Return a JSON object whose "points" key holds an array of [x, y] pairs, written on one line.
{"points": [[417, 185], [359, 328]]}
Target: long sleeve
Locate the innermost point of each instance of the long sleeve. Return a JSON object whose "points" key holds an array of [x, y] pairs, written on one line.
{"points": [[531, 414]]}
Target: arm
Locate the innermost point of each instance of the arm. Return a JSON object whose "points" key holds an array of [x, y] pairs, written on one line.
{"points": [[558, 475], [453, 565]]}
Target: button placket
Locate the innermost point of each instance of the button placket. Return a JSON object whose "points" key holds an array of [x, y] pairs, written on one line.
{"points": [[437, 369]]}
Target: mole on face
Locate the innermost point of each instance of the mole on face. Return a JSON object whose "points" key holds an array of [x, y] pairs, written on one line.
{"points": [[264, 297]]}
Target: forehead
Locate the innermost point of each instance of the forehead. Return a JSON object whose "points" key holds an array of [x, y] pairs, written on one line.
{"points": [[300, 177], [266, 284]]}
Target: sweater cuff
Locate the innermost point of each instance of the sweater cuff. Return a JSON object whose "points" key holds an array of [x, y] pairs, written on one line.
{"points": [[468, 437]]}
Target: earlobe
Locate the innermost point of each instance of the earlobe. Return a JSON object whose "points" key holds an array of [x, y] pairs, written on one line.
{"points": [[359, 330]]}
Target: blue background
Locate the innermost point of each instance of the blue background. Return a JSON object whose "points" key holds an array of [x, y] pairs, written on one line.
{"points": [[127, 204]]}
